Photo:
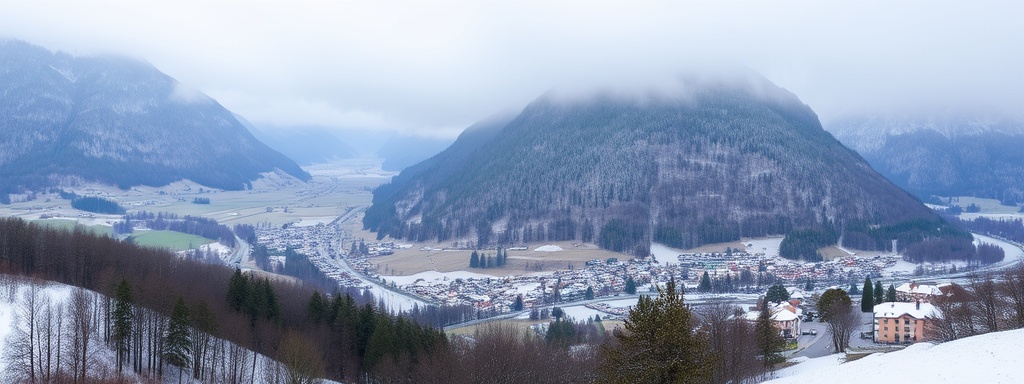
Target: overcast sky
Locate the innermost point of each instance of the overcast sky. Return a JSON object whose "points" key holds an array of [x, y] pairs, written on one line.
{"points": [[433, 67]]}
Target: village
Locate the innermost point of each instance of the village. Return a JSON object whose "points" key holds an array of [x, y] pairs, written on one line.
{"points": [[354, 263]]}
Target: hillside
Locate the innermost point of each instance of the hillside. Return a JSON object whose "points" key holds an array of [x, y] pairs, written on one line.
{"points": [[118, 121], [714, 161], [989, 358], [942, 154]]}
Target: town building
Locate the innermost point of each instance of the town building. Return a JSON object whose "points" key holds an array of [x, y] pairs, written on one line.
{"points": [[902, 322]]}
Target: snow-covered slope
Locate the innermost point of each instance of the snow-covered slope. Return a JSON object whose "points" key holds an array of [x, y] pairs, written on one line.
{"points": [[990, 358]]}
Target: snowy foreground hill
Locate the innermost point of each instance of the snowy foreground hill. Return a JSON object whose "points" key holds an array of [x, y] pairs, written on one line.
{"points": [[55, 346], [990, 358]]}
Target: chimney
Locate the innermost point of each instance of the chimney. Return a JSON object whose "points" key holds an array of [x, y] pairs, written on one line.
{"points": [[919, 305]]}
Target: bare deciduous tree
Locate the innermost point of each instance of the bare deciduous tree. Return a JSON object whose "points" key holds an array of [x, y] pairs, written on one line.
{"points": [[81, 328]]}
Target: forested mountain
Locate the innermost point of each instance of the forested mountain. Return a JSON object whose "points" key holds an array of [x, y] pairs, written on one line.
{"points": [[946, 154], [715, 161], [118, 121]]}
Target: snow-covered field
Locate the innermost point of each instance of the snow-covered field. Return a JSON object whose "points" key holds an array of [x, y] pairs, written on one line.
{"points": [[665, 254], [766, 245], [548, 248], [989, 358], [433, 276]]}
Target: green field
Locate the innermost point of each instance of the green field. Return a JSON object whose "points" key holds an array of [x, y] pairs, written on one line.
{"points": [[175, 241], [68, 224]]}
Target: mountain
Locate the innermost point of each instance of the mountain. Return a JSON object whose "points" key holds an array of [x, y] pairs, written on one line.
{"points": [[118, 121], [944, 154], [712, 161]]}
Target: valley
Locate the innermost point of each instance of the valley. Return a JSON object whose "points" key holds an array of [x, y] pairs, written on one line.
{"points": [[321, 219]]}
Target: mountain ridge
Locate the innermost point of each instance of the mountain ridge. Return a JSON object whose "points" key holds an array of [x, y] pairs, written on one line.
{"points": [[718, 161], [945, 154], [117, 121]]}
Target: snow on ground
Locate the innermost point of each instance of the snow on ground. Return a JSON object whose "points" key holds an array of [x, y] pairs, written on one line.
{"points": [[431, 276], [219, 248], [581, 313], [665, 254], [56, 293], [989, 358], [766, 245], [548, 248], [902, 266]]}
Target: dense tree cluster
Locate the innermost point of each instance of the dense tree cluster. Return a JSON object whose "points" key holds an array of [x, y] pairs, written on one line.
{"points": [[804, 244], [1010, 229], [950, 249], [201, 200], [96, 205]]}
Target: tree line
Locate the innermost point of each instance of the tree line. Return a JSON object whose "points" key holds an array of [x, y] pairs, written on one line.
{"points": [[987, 303]]}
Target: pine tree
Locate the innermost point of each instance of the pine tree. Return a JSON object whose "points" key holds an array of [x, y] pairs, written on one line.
{"points": [[705, 283], [122, 319], [777, 294], [238, 291], [867, 297], [178, 342], [660, 344], [474, 260], [589, 295], [316, 310], [890, 294], [879, 293], [630, 286], [769, 343], [518, 304]]}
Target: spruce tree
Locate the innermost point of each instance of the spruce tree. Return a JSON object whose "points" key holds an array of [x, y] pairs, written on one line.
{"points": [[890, 294], [769, 342], [705, 283], [589, 295], [867, 297], [122, 319], [474, 260], [238, 290], [777, 294], [178, 343], [660, 345], [630, 285], [879, 293]]}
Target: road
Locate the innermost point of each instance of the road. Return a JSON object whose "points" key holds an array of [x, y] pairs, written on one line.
{"points": [[241, 251]]}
